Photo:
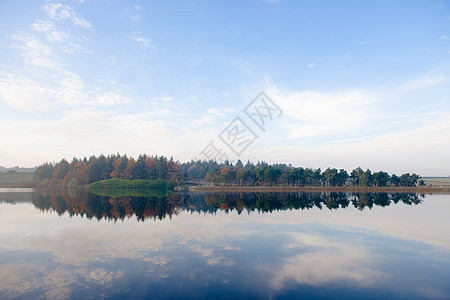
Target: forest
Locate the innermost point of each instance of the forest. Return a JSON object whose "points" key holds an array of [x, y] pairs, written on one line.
{"points": [[85, 171]]}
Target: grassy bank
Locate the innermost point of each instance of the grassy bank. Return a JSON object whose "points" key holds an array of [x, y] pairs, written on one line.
{"points": [[437, 180], [16, 180], [145, 184], [116, 193], [258, 189]]}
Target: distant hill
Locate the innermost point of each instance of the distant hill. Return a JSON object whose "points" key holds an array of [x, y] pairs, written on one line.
{"points": [[17, 169]]}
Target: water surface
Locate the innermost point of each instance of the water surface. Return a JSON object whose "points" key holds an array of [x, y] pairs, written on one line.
{"points": [[75, 245]]}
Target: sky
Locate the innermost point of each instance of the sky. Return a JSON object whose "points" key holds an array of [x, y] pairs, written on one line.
{"points": [[354, 83]]}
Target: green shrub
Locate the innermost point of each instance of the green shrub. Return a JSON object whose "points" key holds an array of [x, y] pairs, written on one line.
{"points": [[117, 183]]}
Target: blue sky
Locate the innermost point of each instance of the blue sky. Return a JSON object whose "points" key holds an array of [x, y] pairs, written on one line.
{"points": [[360, 83]]}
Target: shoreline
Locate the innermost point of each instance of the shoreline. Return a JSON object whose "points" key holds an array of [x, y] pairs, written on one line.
{"points": [[442, 189], [268, 189]]}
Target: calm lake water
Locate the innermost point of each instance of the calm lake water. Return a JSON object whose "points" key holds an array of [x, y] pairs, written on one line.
{"points": [[76, 245]]}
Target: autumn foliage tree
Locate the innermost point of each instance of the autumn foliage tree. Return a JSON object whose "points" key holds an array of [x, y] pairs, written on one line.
{"points": [[85, 171]]}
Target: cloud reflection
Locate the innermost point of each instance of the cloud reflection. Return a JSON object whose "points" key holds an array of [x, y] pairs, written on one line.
{"points": [[312, 247], [24, 278], [327, 260]]}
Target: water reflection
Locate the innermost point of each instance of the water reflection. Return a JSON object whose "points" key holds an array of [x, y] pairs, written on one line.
{"points": [[294, 245], [118, 204]]}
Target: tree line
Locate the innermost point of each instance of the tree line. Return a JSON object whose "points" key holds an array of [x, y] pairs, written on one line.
{"points": [[85, 171], [264, 174]]}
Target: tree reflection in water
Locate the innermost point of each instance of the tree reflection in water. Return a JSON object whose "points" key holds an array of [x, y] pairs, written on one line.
{"points": [[119, 205]]}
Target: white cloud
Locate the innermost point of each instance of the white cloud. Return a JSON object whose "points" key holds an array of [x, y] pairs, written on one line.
{"points": [[34, 51], [444, 38], [45, 82], [137, 37], [70, 80], [134, 13], [425, 81], [213, 116], [94, 130], [423, 150], [49, 29], [61, 88], [70, 48], [43, 26], [22, 92], [379, 128], [67, 41], [109, 98], [59, 12], [314, 113], [311, 65]]}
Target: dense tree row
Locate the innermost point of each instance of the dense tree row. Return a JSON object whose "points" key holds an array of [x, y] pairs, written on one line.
{"points": [[281, 174], [84, 171]]}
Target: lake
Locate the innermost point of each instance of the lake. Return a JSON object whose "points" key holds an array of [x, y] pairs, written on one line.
{"points": [[75, 245]]}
